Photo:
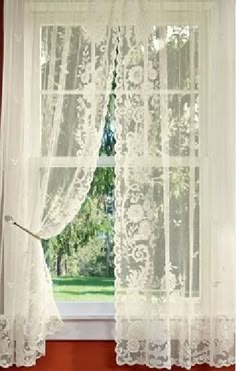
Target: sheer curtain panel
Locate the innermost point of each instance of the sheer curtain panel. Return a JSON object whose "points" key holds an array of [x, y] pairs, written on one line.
{"points": [[58, 70], [174, 64], [175, 183]]}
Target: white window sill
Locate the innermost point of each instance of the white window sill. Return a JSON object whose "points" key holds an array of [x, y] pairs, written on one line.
{"points": [[86, 321]]}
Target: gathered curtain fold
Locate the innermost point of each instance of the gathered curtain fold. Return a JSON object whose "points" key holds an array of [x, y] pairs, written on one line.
{"points": [[56, 85]]}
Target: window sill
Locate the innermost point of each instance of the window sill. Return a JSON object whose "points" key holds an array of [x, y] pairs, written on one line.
{"points": [[86, 321]]}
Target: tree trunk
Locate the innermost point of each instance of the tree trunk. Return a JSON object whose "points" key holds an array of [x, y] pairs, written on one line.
{"points": [[59, 264], [107, 255], [66, 267]]}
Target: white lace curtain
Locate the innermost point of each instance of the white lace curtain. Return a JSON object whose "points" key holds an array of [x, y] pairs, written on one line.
{"points": [[175, 171], [57, 78], [175, 184]]}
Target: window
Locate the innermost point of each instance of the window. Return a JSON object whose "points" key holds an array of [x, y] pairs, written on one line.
{"points": [[177, 101]]}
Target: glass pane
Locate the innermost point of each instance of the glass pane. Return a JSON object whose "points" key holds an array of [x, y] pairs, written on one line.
{"points": [[81, 258], [65, 58], [174, 44], [183, 252], [66, 124], [108, 139], [63, 119], [156, 235], [183, 124], [182, 204]]}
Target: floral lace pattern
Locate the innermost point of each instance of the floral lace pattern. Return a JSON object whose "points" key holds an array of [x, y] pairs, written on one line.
{"points": [[157, 250], [183, 342], [164, 315], [49, 170], [23, 352], [157, 193], [77, 72], [35, 314]]}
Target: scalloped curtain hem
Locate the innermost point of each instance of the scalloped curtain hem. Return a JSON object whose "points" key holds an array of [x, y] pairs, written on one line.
{"points": [[179, 364], [10, 354]]}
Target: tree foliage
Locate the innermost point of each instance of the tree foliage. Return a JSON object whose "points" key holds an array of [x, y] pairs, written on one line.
{"points": [[85, 247]]}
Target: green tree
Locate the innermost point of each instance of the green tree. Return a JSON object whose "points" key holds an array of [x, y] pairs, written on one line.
{"points": [[93, 226]]}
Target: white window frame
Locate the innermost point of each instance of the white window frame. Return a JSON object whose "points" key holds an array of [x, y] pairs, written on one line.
{"points": [[96, 320]]}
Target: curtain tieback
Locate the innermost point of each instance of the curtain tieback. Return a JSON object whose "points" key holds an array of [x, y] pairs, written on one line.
{"points": [[10, 220]]}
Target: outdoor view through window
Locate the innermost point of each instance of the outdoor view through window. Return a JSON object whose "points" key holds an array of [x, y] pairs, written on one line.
{"points": [[81, 258]]}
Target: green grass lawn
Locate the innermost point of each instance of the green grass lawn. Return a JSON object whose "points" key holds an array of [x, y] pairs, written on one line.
{"points": [[83, 289]]}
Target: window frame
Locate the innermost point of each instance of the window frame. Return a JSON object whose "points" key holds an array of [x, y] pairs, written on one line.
{"points": [[96, 320]]}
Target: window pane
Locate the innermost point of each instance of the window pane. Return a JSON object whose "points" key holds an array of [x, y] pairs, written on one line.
{"points": [[81, 258], [182, 203], [178, 41], [63, 49], [183, 118], [108, 140], [160, 236]]}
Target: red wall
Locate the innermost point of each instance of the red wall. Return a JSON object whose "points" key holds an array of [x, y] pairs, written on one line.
{"points": [[80, 355]]}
